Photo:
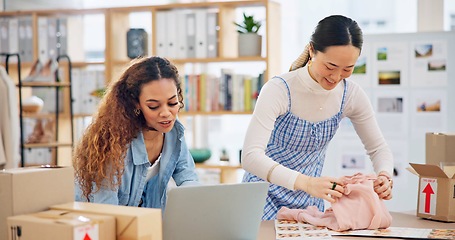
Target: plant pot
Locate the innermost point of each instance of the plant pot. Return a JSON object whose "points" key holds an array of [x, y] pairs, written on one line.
{"points": [[250, 44]]}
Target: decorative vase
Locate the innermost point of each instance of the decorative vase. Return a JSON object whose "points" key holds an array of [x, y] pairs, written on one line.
{"points": [[250, 44]]}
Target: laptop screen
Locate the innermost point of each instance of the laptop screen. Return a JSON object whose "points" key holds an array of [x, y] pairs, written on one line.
{"points": [[224, 211]]}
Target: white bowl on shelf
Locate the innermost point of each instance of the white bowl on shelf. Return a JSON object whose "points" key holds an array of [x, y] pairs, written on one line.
{"points": [[32, 104]]}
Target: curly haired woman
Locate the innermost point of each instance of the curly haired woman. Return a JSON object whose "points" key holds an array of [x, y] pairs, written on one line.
{"points": [[135, 143]]}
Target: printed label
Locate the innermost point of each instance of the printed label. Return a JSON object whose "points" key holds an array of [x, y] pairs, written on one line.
{"points": [[428, 195], [86, 232]]}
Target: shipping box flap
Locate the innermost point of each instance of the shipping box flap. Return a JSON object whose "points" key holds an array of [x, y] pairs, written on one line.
{"points": [[441, 134], [127, 217], [427, 170], [72, 218], [25, 170], [450, 171]]}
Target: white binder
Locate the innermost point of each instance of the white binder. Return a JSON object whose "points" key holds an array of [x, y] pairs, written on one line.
{"points": [[22, 46], [13, 36], [4, 35], [52, 37], [171, 21], [161, 34], [62, 36], [29, 39], [181, 34], [43, 55], [191, 34], [212, 36], [201, 33]]}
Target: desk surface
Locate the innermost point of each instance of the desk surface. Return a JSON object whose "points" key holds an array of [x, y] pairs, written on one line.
{"points": [[406, 219]]}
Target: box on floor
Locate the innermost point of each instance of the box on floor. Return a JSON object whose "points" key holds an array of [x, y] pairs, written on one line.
{"points": [[131, 222], [33, 189], [436, 196], [63, 225]]}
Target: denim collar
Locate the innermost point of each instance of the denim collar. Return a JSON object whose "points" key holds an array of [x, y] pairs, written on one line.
{"points": [[139, 152]]}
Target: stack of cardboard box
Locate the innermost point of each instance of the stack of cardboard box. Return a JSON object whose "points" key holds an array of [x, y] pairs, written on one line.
{"points": [[38, 203]]}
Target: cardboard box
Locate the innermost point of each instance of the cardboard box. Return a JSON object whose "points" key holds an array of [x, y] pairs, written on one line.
{"points": [[131, 222], [440, 147], [62, 225], [33, 189], [436, 196]]}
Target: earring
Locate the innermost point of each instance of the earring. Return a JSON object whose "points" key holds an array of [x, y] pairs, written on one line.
{"points": [[137, 111]]}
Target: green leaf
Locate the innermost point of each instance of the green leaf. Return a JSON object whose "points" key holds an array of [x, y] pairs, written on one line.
{"points": [[249, 24]]}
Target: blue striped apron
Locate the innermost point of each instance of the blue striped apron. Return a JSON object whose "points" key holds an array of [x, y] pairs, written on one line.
{"points": [[299, 145]]}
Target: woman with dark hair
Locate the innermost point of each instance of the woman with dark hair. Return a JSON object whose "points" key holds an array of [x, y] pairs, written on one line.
{"points": [[135, 143], [297, 114]]}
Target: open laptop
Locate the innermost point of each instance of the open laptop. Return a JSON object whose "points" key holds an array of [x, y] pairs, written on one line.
{"points": [[225, 211]]}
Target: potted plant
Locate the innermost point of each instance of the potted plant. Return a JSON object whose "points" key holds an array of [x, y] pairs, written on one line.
{"points": [[249, 40]]}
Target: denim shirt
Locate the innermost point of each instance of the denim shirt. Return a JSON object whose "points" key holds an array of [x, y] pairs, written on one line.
{"points": [[175, 162]]}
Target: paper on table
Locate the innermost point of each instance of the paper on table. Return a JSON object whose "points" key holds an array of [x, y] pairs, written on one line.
{"points": [[401, 232], [290, 229]]}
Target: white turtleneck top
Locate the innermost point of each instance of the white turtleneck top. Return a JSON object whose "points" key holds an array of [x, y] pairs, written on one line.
{"points": [[313, 103]]}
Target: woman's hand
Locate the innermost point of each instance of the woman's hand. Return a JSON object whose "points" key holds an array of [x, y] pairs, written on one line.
{"points": [[327, 188], [383, 186]]}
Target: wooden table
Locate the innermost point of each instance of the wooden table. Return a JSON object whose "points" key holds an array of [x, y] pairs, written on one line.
{"points": [[228, 171], [400, 219]]}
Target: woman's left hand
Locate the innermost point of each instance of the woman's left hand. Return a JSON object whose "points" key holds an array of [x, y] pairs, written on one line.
{"points": [[383, 186]]}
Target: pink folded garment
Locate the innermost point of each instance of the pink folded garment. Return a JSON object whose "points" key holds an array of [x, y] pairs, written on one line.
{"points": [[359, 208]]}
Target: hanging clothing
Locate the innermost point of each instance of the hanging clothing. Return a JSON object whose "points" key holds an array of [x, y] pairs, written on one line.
{"points": [[359, 208], [9, 123], [300, 145]]}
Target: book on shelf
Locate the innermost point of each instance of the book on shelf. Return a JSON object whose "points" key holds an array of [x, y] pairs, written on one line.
{"points": [[227, 92]]}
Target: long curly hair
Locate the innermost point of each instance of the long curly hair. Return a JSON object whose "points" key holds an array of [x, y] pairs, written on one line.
{"points": [[98, 159]]}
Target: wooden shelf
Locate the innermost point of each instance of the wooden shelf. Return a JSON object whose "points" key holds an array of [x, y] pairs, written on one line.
{"points": [[219, 60], [42, 115], [47, 145], [184, 113], [205, 60], [44, 84]]}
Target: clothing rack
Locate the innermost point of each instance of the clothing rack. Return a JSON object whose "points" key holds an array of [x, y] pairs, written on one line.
{"points": [[7, 57]]}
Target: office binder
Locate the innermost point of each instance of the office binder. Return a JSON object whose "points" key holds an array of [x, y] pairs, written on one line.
{"points": [[212, 35], [201, 33], [22, 44], [13, 35], [191, 34], [181, 34], [52, 37], [29, 52], [4, 34], [62, 36], [43, 53], [171, 41], [161, 34]]}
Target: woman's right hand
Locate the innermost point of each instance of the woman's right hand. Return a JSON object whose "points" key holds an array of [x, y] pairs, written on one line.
{"points": [[320, 187]]}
